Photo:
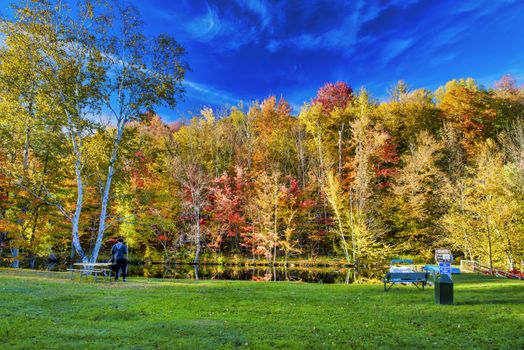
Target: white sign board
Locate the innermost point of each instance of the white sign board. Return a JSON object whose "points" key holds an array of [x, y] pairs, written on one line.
{"points": [[443, 255]]}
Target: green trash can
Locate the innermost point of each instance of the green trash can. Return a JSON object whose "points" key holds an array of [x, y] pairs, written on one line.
{"points": [[444, 290]]}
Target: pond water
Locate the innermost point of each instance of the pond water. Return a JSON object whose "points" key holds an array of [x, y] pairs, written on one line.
{"points": [[254, 273], [250, 273]]}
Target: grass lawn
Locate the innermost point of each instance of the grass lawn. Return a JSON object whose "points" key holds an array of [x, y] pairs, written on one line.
{"points": [[48, 311]]}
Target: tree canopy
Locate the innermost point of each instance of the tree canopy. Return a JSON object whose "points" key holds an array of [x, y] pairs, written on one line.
{"points": [[84, 158]]}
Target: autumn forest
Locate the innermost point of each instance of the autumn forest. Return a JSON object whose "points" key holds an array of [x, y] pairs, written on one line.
{"points": [[85, 160]]}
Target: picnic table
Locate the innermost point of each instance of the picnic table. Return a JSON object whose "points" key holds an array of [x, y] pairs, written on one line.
{"points": [[92, 269], [414, 278]]}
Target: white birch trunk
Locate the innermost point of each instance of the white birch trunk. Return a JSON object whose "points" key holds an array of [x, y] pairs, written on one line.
{"points": [[15, 252], [107, 191], [75, 219]]}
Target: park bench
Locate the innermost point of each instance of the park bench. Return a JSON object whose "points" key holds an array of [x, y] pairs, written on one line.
{"points": [[415, 278], [92, 269]]}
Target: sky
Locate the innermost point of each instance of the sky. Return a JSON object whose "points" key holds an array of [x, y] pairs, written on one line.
{"points": [[246, 50]]}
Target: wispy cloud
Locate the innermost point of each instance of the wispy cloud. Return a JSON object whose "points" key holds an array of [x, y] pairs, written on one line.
{"points": [[266, 45], [273, 45], [222, 32], [205, 94], [207, 26], [394, 49], [341, 37], [258, 7]]}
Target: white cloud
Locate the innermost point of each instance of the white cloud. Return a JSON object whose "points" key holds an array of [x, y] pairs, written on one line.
{"points": [[395, 48], [223, 32], [209, 94], [205, 27]]}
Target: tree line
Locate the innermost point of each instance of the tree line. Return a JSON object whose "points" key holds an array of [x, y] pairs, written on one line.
{"points": [[85, 159]]}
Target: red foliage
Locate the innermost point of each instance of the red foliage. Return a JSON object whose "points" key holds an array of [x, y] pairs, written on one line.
{"points": [[291, 193], [385, 163], [227, 200], [307, 203], [517, 273], [265, 278], [332, 96], [324, 220], [507, 83], [175, 126], [321, 232]]}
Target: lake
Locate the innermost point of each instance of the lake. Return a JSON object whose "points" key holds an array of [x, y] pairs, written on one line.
{"points": [[332, 274]]}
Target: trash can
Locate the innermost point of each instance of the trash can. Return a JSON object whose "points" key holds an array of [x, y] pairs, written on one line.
{"points": [[444, 290]]}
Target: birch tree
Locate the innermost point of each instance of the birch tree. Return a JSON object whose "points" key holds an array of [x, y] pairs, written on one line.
{"points": [[64, 71], [142, 73]]}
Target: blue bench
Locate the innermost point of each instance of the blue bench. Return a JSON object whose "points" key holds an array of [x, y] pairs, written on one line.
{"points": [[418, 279]]}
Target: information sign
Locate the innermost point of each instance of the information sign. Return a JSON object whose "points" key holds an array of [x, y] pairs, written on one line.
{"points": [[443, 255], [444, 268]]}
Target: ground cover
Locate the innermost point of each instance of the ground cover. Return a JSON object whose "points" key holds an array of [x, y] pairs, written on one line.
{"points": [[47, 310]]}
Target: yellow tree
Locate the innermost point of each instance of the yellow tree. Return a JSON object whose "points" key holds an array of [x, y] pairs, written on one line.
{"points": [[264, 215], [416, 189], [468, 108], [492, 215], [407, 113]]}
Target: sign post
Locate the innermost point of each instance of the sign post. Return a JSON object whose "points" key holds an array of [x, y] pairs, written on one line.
{"points": [[444, 284], [444, 258]]}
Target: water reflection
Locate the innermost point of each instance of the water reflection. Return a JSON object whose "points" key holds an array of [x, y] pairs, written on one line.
{"points": [[255, 273], [331, 275]]}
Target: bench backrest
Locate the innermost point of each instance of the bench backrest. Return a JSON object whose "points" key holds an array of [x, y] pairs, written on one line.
{"points": [[407, 276]]}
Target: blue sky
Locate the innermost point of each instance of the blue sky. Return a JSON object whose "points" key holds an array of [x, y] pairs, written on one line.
{"points": [[250, 49], [246, 50]]}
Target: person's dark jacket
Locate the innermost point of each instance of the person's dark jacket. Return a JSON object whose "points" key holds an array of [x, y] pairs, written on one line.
{"points": [[119, 251]]}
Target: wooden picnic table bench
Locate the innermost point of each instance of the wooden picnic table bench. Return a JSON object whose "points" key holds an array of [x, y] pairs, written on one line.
{"points": [[416, 278], [93, 269]]}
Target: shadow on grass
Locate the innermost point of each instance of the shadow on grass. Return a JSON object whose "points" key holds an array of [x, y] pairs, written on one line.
{"points": [[493, 301], [495, 295]]}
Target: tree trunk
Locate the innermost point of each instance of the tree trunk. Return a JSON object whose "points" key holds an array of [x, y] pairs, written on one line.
{"points": [[340, 132], [467, 246], [489, 247], [15, 251], [26, 150], [301, 157], [197, 252], [75, 220], [196, 272], [352, 224], [341, 231], [107, 191], [37, 211], [275, 228]]}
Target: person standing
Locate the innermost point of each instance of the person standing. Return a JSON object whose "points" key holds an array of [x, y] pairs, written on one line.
{"points": [[119, 256]]}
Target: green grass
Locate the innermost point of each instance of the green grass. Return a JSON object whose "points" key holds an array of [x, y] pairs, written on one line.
{"points": [[48, 311]]}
